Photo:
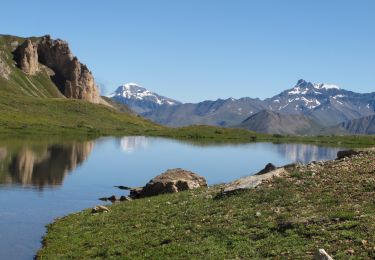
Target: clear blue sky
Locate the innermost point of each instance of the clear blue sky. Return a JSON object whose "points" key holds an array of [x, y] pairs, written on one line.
{"points": [[205, 49]]}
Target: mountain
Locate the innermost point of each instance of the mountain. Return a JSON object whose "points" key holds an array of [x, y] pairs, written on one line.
{"points": [[48, 68], [267, 121], [325, 104], [363, 125], [139, 99], [222, 112], [45, 89]]}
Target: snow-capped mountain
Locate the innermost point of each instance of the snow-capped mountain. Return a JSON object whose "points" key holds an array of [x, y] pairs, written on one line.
{"points": [[325, 104], [139, 99]]}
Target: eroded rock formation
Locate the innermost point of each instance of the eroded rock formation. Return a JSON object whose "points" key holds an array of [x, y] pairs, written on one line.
{"points": [[28, 57], [72, 77]]}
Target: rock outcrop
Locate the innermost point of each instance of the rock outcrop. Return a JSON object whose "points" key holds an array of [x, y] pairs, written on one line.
{"points": [[250, 182], [268, 168], [27, 58], [73, 78], [171, 181], [346, 154]]}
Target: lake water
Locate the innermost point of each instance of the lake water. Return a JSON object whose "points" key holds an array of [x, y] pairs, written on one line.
{"points": [[40, 181]]}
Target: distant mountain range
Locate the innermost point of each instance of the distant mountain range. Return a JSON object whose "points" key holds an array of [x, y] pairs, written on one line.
{"points": [[306, 108], [139, 99]]}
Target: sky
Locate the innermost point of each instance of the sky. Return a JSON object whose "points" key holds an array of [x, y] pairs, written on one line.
{"points": [[196, 50]]}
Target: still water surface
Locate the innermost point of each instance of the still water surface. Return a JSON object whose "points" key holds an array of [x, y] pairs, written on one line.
{"points": [[39, 182]]}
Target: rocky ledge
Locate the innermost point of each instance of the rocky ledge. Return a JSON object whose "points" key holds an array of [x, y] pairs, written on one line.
{"points": [[73, 78]]}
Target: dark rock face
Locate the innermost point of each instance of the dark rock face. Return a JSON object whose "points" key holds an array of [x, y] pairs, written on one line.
{"points": [[27, 57], [346, 154], [171, 181], [73, 78], [268, 168]]}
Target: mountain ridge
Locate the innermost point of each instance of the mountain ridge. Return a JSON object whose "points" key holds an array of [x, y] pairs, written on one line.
{"points": [[326, 104]]}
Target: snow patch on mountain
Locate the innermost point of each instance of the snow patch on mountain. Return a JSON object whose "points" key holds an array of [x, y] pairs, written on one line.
{"points": [[325, 86]]}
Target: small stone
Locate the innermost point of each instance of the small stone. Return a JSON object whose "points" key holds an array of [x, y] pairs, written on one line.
{"points": [[321, 254], [100, 208], [258, 214], [350, 251], [125, 198]]}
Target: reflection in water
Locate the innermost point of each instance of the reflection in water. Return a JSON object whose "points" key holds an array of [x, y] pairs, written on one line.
{"points": [[132, 143], [305, 153], [41, 166]]}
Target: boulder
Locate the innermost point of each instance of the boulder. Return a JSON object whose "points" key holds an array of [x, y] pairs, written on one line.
{"points": [[249, 182], [268, 168], [99, 209], [346, 154], [27, 57], [171, 181]]}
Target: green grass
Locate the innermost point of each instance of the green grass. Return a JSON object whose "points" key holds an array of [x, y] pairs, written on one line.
{"points": [[285, 218]]}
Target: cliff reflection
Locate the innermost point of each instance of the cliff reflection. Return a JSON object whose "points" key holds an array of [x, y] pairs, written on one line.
{"points": [[42, 165]]}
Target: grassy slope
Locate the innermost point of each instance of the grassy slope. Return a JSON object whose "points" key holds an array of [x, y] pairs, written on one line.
{"points": [[330, 207]]}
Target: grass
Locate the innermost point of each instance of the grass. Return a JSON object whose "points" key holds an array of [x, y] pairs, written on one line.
{"points": [[287, 218]]}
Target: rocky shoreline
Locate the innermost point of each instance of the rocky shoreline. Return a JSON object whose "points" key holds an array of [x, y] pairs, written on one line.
{"points": [[289, 212]]}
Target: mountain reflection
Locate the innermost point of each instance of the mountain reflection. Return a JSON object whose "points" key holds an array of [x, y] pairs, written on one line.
{"points": [[305, 153], [42, 165], [132, 143]]}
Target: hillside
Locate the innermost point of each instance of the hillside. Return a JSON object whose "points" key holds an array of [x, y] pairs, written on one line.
{"points": [[363, 125], [270, 122], [31, 102], [13, 80], [326, 205]]}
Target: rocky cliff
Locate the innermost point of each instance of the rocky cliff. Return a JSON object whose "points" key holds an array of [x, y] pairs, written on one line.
{"points": [[73, 78]]}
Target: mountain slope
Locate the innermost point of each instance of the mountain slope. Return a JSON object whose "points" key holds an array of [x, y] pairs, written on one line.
{"points": [[220, 112], [271, 122], [363, 125]]}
